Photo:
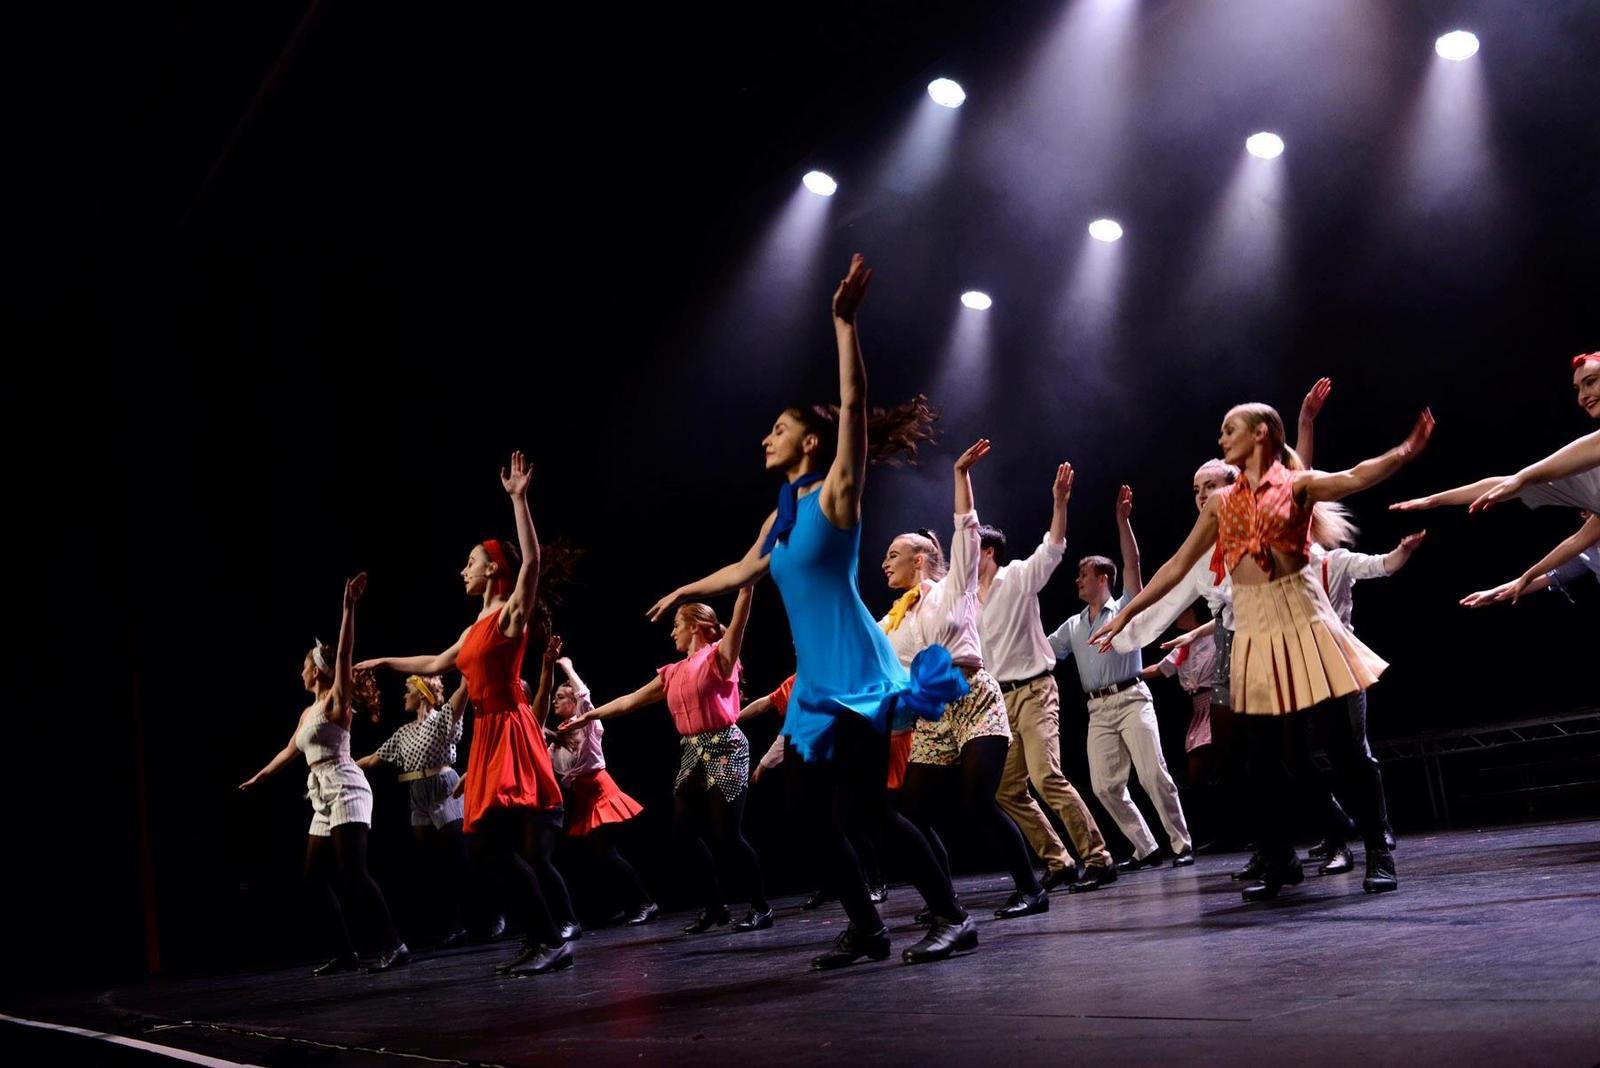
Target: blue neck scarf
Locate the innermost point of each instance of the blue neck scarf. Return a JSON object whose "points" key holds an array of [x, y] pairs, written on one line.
{"points": [[788, 509]]}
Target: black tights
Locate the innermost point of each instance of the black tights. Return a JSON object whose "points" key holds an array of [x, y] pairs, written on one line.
{"points": [[345, 850], [970, 785], [624, 880], [448, 847], [844, 800], [698, 812], [1278, 758], [513, 846]]}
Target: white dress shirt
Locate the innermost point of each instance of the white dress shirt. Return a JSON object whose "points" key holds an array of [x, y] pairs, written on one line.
{"points": [[1014, 645], [1339, 570], [947, 612]]}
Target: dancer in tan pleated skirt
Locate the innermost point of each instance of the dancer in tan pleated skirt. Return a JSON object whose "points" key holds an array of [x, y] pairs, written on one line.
{"points": [[1291, 652]]}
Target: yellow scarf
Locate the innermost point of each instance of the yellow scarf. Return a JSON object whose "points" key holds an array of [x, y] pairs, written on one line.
{"points": [[897, 611]]}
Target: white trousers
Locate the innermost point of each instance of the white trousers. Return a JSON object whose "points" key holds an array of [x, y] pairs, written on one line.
{"points": [[1123, 732]]}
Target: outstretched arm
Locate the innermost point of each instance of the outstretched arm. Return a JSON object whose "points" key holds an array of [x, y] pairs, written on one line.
{"points": [[1450, 497], [1586, 537], [1400, 555], [648, 694], [747, 571], [1313, 486], [273, 766], [1202, 539], [1570, 459], [436, 664]]}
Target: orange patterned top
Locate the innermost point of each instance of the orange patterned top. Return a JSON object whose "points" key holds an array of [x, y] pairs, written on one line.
{"points": [[1254, 522]]}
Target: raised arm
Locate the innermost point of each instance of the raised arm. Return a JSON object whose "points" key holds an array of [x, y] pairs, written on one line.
{"points": [[571, 673], [1132, 576], [1323, 486], [747, 571], [1309, 409], [732, 640], [1060, 494], [841, 492], [648, 694], [344, 666], [962, 577], [1201, 540], [1570, 459], [436, 664], [526, 590], [458, 700], [541, 699]]}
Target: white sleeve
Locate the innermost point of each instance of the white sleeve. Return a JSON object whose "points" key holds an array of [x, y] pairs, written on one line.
{"points": [[1036, 570], [1365, 566], [962, 578], [1148, 625], [1169, 664], [774, 754]]}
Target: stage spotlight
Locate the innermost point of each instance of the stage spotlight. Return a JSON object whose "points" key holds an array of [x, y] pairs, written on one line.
{"points": [[820, 183], [1457, 45], [1264, 145], [1105, 230], [976, 300], [946, 93]]}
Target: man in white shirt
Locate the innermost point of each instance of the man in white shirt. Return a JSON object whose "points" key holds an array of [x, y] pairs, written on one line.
{"points": [[1122, 717], [1020, 658]]}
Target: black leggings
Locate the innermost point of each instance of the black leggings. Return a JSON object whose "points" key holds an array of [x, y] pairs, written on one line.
{"points": [[513, 846], [345, 850], [1339, 727], [448, 847], [619, 874], [844, 800], [698, 812], [970, 785]]}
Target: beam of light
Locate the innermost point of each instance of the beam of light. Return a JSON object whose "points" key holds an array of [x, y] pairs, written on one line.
{"points": [[1090, 311], [977, 300], [1241, 256], [1264, 145], [1457, 45], [770, 301], [1066, 124], [947, 93], [918, 156], [820, 184], [1107, 230]]}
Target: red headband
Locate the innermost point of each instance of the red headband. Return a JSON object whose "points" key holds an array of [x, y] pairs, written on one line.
{"points": [[1576, 360], [497, 557]]}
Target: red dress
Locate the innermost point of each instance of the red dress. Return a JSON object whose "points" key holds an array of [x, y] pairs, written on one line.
{"points": [[509, 765]]}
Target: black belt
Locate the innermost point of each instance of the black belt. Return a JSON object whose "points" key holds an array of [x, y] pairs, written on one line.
{"points": [[1115, 687], [1007, 687]]}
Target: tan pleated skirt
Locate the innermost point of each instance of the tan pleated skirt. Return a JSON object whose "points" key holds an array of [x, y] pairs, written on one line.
{"points": [[1291, 651]]}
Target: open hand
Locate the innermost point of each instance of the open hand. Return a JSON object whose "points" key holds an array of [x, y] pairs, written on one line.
{"points": [[852, 290], [515, 479]]}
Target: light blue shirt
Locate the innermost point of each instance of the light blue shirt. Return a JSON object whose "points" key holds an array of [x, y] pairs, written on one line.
{"points": [[1096, 670]]}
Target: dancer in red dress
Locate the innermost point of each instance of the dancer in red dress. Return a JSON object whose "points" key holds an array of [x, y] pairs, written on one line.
{"points": [[512, 799]]}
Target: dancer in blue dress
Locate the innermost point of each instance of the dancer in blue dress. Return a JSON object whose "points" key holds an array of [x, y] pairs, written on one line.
{"points": [[850, 688]]}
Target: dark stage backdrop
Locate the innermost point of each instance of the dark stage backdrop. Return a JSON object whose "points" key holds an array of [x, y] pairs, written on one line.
{"points": [[314, 295]]}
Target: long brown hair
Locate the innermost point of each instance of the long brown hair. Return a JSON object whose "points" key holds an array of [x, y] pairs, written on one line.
{"points": [[893, 434]]}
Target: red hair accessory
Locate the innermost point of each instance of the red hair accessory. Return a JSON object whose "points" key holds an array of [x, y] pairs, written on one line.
{"points": [[497, 557], [1576, 360]]}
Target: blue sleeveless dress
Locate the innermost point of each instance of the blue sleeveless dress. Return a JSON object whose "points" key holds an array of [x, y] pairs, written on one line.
{"points": [[844, 665]]}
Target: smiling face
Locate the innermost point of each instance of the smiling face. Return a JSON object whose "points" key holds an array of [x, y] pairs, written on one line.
{"points": [[1586, 383], [902, 564]]}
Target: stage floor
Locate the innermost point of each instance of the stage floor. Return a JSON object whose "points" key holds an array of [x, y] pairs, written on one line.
{"points": [[1488, 954]]}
